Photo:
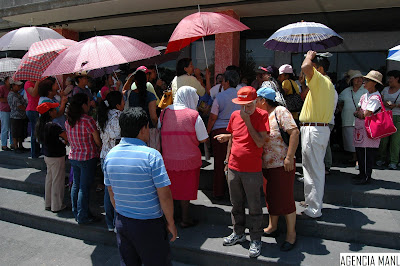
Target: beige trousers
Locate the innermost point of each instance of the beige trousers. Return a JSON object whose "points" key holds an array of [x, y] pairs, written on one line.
{"points": [[55, 182]]}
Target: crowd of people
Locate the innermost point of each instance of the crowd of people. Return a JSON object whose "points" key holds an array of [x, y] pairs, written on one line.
{"points": [[151, 157]]}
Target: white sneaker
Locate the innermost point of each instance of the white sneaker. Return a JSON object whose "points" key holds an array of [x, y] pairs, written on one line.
{"points": [[233, 239], [392, 166], [255, 248], [380, 163]]}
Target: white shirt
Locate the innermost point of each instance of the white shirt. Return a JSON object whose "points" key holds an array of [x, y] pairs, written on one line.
{"points": [[215, 90], [200, 128], [392, 97], [334, 108]]}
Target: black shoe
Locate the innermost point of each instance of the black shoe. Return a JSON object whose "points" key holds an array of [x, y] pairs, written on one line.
{"points": [[91, 220], [273, 234], [286, 246], [362, 181]]}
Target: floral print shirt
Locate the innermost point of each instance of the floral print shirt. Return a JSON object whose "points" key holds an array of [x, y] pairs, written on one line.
{"points": [[275, 149], [111, 132]]}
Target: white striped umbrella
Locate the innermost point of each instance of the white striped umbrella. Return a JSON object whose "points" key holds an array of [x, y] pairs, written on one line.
{"points": [[303, 36], [23, 38], [394, 53], [8, 66]]}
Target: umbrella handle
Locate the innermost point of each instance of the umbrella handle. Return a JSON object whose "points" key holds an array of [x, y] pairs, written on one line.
{"points": [[205, 54], [58, 82], [204, 46]]}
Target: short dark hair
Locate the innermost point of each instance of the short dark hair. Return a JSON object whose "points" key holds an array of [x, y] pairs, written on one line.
{"points": [[181, 65], [322, 61], [232, 77], [45, 87], [394, 73], [132, 121]]}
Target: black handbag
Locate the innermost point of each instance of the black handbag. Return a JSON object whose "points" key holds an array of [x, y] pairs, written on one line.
{"points": [[285, 136], [294, 103]]}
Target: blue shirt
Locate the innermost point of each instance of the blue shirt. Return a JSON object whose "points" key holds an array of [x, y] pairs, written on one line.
{"points": [[135, 171]]}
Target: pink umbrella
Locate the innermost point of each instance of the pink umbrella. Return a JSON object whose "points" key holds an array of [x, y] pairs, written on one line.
{"points": [[39, 57], [99, 52], [200, 24]]}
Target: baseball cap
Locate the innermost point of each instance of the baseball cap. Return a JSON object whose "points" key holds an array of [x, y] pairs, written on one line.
{"points": [[44, 107], [267, 93], [245, 95], [15, 82], [263, 70], [285, 69], [142, 68]]}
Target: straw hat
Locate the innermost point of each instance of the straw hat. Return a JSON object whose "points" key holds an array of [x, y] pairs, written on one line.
{"points": [[354, 74], [374, 76]]}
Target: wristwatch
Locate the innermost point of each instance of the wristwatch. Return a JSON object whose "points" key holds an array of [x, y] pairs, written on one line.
{"points": [[226, 162]]}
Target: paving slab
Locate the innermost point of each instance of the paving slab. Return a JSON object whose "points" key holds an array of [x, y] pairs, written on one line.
{"points": [[22, 245], [200, 245]]}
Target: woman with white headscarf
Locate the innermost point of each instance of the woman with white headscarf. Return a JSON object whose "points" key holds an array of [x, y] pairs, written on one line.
{"points": [[182, 129]]}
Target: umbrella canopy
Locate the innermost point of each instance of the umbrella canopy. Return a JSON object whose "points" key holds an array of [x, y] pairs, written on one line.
{"points": [[303, 36], [394, 53], [96, 73], [99, 52], [8, 66], [200, 24], [39, 57], [23, 38], [156, 60]]}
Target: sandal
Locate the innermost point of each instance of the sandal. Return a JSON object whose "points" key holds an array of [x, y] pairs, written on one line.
{"points": [[192, 223]]}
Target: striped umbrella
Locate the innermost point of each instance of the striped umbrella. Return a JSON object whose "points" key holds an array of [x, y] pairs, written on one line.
{"points": [[394, 53], [303, 36], [39, 57], [99, 52], [8, 66]]}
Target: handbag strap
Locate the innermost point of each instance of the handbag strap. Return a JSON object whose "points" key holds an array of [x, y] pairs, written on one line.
{"points": [[293, 90], [397, 97], [351, 91]]}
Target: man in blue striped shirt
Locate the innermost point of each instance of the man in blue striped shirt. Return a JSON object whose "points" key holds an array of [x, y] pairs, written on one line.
{"points": [[138, 184]]}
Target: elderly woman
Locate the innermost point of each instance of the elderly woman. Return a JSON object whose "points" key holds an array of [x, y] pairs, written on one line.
{"points": [[221, 111], [279, 167], [347, 103], [182, 129], [84, 140], [369, 103], [391, 100], [184, 77]]}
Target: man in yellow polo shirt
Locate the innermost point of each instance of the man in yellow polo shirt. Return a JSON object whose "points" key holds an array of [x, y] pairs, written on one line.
{"points": [[314, 120]]}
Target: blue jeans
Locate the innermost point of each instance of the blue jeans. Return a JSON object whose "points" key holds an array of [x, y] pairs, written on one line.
{"points": [[108, 207], [84, 172], [5, 128], [33, 116]]}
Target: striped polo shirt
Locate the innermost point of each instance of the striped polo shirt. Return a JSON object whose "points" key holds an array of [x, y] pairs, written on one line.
{"points": [[135, 171]]}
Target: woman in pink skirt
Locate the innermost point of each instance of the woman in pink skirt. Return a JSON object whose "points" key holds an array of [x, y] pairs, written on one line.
{"points": [[182, 129]]}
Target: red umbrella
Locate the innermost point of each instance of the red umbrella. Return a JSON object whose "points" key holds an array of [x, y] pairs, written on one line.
{"points": [[39, 57], [201, 24], [98, 52]]}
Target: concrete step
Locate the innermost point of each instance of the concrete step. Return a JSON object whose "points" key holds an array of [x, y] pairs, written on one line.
{"points": [[24, 160], [200, 245], [367, 226], [371, 226], [383, 192]]}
